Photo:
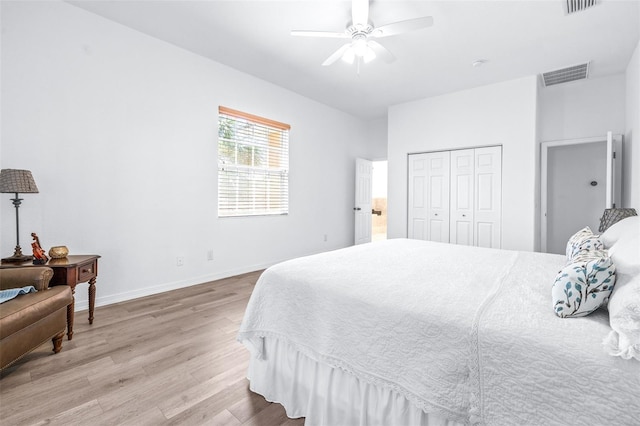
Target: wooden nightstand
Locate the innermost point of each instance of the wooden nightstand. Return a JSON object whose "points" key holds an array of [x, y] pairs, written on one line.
{"points": [[71, 271]]}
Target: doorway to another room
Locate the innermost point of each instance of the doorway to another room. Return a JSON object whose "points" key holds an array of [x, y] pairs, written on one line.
{"points": [[379, 201], [579, 179]]}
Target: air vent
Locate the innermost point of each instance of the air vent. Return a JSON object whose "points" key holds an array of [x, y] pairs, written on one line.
{"points": [[573, 6], [565, 75]]}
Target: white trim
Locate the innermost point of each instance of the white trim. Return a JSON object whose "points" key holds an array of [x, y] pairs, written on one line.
{"points": [[175, 285]]}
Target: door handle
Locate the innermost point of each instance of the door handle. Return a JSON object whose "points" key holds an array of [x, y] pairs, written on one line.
{"points": [[357, 208]]}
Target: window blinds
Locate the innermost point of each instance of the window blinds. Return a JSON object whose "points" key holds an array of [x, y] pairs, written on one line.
{"points": [[253, 165]]}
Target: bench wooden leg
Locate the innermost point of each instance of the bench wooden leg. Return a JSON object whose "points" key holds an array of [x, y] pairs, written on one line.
{"points": [[57, 342]]}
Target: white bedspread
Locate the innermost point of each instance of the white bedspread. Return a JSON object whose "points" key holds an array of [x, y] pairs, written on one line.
{"points": [[448, 328], [536, 368]]}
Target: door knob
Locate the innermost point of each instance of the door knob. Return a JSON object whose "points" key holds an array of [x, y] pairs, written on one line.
{"points": [[357, 208]]}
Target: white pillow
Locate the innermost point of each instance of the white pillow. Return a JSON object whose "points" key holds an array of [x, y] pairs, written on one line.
{"points": [[624, 303], [624, 317], [626, 254], [627, 226]]}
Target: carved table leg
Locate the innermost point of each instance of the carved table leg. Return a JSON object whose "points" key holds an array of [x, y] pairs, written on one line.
{"points": [[92, 298], [70, 314], [57, 342]]}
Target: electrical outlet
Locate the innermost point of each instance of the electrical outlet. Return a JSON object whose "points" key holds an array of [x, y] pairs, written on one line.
{"points": [[210, 255], [180, 261]]}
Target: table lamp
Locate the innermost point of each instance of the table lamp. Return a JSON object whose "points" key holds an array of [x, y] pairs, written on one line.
{"points": [[17, 181], [611, 216]]}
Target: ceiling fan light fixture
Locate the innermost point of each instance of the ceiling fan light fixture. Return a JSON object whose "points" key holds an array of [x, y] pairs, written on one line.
{"points": [[362, 33], [360, 47], [349, 56], [369, 56]]}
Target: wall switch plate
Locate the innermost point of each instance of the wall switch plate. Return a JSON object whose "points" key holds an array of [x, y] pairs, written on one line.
{"points": [[210, 255], [180, 261]]}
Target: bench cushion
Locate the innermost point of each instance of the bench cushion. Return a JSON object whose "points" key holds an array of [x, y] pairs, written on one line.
{"points": [[27, 309]]}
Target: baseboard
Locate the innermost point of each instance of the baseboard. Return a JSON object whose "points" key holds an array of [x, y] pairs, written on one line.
{"points": [[175, 285]]}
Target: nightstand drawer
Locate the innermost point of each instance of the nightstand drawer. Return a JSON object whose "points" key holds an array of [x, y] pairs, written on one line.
{"points": [[87, 271]]}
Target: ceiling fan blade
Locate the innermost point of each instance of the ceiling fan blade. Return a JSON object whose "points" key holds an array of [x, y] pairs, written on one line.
{"points": [[360, 12], [381, 51], [326, 34], [336, 55], [403, 26]]}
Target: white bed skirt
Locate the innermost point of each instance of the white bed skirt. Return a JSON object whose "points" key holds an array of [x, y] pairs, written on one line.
{"points": [[325, 395]]}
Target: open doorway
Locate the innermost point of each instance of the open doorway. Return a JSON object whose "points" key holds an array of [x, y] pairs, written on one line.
{"points": [[579, 179], [379, 201]]}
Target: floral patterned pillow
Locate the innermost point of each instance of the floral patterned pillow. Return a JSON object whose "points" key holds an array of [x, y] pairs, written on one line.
{"points": [[583, 240], [583, 285]]}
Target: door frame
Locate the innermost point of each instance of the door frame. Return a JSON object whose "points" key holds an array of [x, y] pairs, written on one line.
{"points": [[613, 190]]}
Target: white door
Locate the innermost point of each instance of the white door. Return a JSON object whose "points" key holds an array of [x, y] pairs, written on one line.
{"points": [[614, 171], [417, 194], [462, 199], [488, 197], [362, 209], [428, 196], [437, 196]]}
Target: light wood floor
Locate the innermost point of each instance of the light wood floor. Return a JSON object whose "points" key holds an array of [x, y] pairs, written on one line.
{"points": [[167, 359]]}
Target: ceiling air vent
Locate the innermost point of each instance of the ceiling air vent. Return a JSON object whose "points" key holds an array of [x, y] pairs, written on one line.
{"points": [[565, 75], [573, 6]]}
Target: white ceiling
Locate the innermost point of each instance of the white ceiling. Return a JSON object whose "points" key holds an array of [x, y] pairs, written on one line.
{"points": [[516, 38]]}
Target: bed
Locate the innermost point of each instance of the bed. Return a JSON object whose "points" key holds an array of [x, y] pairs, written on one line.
{"points": [[406, 332]]}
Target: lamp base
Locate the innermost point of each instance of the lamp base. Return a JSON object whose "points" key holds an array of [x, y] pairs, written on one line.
{"points": [[17, 257]]}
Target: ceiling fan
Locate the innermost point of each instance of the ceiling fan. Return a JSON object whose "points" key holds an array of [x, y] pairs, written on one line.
{"points": [[362, 46]]}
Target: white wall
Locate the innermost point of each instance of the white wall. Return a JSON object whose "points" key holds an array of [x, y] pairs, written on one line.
{"points": [[377, 138], [582, 109], [120, 130], [631, 170], [499, 114]]}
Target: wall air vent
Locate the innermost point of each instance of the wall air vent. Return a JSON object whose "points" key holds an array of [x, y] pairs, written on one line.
{"points": [[573, 6], [565, 75]]}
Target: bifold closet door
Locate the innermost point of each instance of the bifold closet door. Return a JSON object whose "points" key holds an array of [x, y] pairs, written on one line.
{"points": [[456, 196], [462, 196], [488, 197], [428, 209]]}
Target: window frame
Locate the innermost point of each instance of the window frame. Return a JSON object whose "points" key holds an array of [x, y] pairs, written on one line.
{"points": [[260, 183]]}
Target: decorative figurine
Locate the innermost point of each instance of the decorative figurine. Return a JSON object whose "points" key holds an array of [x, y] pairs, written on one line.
{"points": [[39, 255]]}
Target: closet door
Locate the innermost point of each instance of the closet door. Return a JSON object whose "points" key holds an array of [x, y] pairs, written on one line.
{"points": [[417, 197], [438, 170], [488, 197], [428, 196], [462, 197]]}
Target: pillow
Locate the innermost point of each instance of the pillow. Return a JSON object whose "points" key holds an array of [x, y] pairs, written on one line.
{"points": [[627, 226], [624, 304], [583, 285], [584, 239], [625, 253], [624, 317]]}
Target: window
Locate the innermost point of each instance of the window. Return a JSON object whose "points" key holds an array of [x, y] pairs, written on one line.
{"points": [[253, 165]]}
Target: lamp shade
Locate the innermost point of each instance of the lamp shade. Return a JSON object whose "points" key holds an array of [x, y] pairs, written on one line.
{"points": [[17, 181], [611, 216]]}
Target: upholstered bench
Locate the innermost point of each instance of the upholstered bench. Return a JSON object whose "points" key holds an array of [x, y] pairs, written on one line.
{"points": [[29, 320]]}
